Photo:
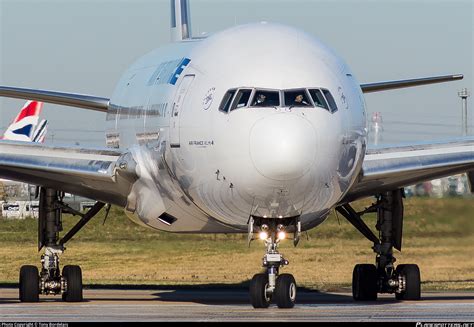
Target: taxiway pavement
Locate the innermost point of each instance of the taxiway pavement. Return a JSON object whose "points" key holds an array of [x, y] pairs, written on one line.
{"points": [[208, 304]]}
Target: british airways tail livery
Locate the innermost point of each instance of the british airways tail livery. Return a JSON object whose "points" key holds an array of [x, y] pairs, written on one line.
{"points": [[25, 126], [221, 135]]}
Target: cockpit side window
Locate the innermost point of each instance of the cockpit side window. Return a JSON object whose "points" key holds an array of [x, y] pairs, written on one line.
{"points": [[264, 98], [241, 99], [318, 98], [297, 98], [227, 100], [331, 101]]}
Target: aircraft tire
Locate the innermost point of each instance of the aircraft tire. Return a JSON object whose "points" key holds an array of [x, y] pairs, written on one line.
{"points": [[285, 291], [258, 291], [411, 273], [364, 282], [29, 284], [73, 276]]}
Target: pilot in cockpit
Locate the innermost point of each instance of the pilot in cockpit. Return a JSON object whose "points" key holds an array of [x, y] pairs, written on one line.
{"points": [[300, 102], [260, 101]]}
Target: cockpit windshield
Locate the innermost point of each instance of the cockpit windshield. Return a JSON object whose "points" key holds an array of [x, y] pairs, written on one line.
{"points": [[227, 100], [264, 98], [331, 101], [241, 99], [318, 98], [297, 98]]}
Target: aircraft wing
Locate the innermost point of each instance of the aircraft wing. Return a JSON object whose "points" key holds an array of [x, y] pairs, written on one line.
{"points": [[400, 84], [102, 174], [390, 168], [89, 102]]}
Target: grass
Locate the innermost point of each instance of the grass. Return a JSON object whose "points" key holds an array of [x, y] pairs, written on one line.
{"points": [[438, 236]]}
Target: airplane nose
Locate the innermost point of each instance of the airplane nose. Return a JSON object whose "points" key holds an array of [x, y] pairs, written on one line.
{"points": [[283, 146]]}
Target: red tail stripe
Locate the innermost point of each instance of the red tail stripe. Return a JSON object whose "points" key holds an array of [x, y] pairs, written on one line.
{"points": [[31, 109]]}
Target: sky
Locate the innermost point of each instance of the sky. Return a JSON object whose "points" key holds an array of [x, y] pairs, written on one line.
{"points": [[84, 47]]}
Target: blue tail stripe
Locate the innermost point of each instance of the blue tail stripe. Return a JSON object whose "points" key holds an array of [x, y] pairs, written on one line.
{"points": [[26, 130]]}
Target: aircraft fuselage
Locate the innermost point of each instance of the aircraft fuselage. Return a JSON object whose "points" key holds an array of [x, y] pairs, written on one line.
{"points": [[209, 169]]}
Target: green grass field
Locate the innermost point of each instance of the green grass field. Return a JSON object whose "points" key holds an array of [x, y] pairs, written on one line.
{"points": [[438, 236]]}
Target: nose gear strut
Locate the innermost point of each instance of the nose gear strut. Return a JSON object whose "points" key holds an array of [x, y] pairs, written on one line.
{"points": [[272, 285]]}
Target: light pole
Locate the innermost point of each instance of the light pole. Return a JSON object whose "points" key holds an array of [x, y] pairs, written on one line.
{"points": [[376, 127], [464, 94]]}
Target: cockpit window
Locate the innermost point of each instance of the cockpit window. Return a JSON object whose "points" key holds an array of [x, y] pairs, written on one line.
{"points": [[264, 98], [250, 97], [241, 99], [227, 100], [297, 98], [318, 98], [332, 103]]}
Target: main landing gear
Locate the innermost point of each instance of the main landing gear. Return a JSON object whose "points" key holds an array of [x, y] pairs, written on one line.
{"points": [[271, 285], [367, 279], [50, 280]]}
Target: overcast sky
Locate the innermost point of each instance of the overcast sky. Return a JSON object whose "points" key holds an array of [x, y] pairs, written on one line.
{"points": [[84, 46]]}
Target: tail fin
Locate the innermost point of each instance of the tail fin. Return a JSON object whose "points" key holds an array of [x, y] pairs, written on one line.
{"points": [[40, 132], [23, 127], [180, 20]]}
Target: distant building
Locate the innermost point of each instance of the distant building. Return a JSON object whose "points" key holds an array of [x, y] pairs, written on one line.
{"points": [[456, 185], [18, 201], [20, 209]]}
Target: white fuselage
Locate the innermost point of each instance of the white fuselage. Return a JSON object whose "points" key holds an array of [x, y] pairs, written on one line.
{"points": [[210, 170]]}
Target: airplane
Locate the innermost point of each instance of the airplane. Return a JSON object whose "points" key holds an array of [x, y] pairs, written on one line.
{"points": [[207, 137], [26, 126]]}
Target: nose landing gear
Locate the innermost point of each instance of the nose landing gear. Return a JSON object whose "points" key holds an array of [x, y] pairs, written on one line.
{"points": [[269, 286]]}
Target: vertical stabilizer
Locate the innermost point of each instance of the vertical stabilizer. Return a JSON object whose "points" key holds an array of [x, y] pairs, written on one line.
{"points": [[180, 20], [25, 124]]}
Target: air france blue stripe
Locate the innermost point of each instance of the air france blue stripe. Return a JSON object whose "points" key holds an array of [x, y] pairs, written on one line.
{"points": [[182, 65]]}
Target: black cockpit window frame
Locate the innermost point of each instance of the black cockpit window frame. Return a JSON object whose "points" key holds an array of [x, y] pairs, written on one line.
{"points": [[268, 102], [227, 100], [313, 96], [330, 100], [238, 96], [289, 100], [318, 99]]}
